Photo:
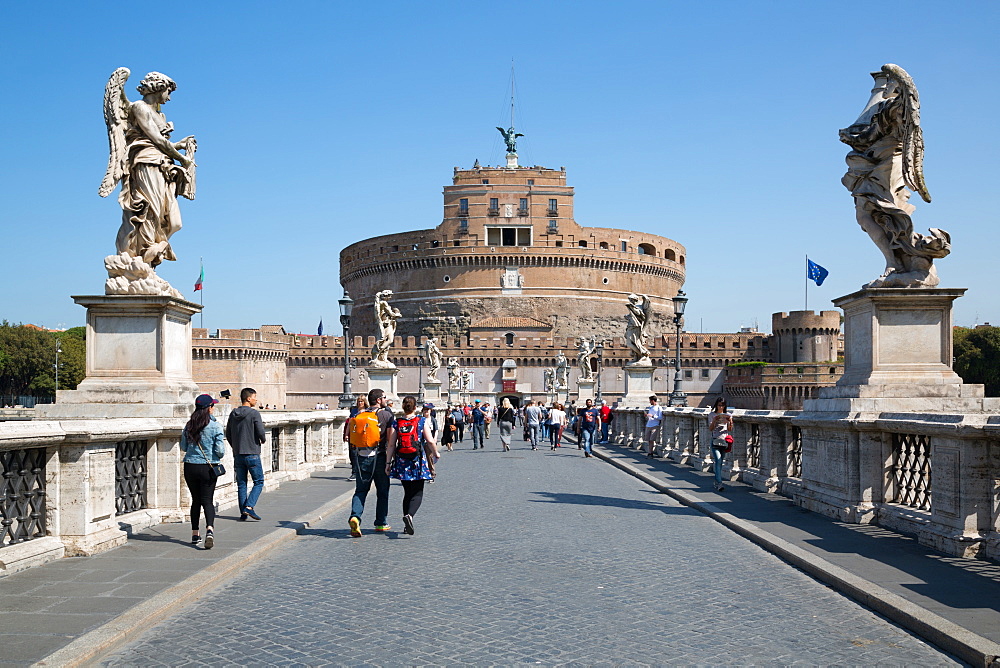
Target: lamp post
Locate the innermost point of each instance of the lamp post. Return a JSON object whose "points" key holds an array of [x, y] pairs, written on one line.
{"points": [[599, 349], [677, 397], [346, 306], [421, 349], [58, 350]]}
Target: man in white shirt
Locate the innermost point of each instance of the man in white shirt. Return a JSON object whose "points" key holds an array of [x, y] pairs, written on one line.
{"points": [[654, 416]]}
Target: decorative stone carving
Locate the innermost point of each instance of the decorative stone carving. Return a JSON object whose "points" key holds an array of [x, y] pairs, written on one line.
{"points": [[562, 372], [637, 320], [385, 316], [887, 157], [153, 172], [587, 349], [549, 376], [433, 359], [454, 374]]}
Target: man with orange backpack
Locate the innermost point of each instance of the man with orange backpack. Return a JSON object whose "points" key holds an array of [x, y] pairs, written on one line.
{"points": [[368, 432]]}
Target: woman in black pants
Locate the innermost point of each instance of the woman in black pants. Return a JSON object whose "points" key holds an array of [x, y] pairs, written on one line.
{"points": [[411, 454], [203, 444]]}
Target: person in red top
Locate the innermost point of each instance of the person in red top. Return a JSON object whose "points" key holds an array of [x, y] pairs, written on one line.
{"points": [[606, 418]]}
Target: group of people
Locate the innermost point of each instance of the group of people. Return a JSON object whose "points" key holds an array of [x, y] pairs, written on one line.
{"points": [[203, 443]]}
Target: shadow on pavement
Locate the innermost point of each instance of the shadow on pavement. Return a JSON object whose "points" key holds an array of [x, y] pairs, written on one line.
{"points": [[612, 502]]}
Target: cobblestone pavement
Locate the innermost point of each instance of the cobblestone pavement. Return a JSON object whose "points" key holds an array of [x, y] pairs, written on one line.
{"points": [[527, 558]]}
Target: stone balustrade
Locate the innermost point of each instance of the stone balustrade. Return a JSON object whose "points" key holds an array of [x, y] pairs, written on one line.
{"points": [[933, 476], [77, 487]]}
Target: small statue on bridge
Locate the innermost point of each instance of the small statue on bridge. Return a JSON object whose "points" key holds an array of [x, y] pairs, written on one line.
{"points": [[433, 359], [386, 317], [639, 310], [587, 349]]}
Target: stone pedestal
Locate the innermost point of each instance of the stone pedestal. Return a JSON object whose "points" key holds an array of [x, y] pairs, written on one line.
{"points": [[512, 161], [383, 379], [138, 360], [432, 392], [638, 386], [562, 395], [898, 354], [584, 389]]}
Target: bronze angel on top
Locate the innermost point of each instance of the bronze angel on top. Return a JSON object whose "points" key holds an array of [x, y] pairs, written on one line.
{"points": [[153, 172], [886, 159]]}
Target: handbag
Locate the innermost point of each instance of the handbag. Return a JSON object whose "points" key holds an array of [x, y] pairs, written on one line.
{"points": [[217, 468]]}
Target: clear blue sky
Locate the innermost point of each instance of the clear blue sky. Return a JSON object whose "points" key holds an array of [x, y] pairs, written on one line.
{"points": [[322, 123]]}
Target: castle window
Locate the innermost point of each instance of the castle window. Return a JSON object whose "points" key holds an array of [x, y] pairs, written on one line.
{"points": [[446, 279], [509, 338], [486, 182], [682, 259], [605, 280], [559, 244], [553, 227], [604, 245], [583, 243], [463, 207], [508, 236], [624, 246], [522, 209], [704, 373], [531, 182], [553, 207], [670, 255], [688, 374], [494, 209], [646, 249], [736, 344]]}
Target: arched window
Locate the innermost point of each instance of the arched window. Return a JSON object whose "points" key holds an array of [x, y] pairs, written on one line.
{"points": [[583, 243], [646, 249], [670, 255], [509, 338], [604, 245], [681, 260]]}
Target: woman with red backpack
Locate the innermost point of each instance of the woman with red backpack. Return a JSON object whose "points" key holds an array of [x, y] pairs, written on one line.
{"points": [[411, 454]]}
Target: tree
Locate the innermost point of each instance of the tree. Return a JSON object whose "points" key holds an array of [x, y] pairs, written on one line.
{"points": [[977, 357], [28, 357]]}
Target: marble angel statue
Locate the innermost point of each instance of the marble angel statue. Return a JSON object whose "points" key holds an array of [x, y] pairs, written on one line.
{"points": [[639, 310], [885, 164], [153, 171], [454, 374], [549, 380], [562, 371], [385, 316], [433, 359], [587, 349]]}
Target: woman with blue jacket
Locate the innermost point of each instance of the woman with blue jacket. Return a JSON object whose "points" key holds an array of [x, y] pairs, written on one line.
{"points": [[203, 444]]}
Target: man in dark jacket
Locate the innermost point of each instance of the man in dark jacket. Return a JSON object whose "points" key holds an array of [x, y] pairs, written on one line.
{"points": [[245, 432]]}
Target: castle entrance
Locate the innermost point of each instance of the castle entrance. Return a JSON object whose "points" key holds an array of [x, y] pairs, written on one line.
{"points": [[515, 400]]}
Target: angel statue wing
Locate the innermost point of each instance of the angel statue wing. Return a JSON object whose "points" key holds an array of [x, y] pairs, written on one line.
{"points": [[647, 311], [116, 108], [913, 136]]}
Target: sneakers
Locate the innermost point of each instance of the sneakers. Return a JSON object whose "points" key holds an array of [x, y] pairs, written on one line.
{"points": [[719, 487], [352, 478], [209, 540], [355, 524], [408, 524], [382, 528], [195, 540]]}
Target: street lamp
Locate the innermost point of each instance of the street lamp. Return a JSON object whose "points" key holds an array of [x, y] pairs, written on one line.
{"points": [[599, 350], [346, 306], [677, 397], [421, 349], [58, 350]]}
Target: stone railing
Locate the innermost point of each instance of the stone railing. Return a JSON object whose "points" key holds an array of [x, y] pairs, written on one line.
{"points": [[936, 477], [77, 487]]}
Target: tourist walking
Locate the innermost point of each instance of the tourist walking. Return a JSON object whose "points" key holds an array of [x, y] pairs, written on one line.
{"points": [[369, 432], [607, 415], [533, 418], [489, 413], [449, 430], [411, 453], [506, 417], [590, 422], [459, 416], [245, 433], [721, 427], [558, 418], [360, 404], [478, 417], [654, 416], [203, 445]]}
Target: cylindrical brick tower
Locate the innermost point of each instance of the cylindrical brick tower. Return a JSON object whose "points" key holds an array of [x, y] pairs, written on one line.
{"points": [[805, 336], [509, 246]]}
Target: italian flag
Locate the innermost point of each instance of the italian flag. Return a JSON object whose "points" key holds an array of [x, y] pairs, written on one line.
{"points": [[201, 279]]}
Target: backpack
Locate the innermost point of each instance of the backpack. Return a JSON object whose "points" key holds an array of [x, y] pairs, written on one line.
{"points": [[364, 432], [410, 437]]}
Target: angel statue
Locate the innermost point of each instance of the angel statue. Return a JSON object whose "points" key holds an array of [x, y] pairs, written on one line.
{"points": [[562, 371], [549, 380], [510, 137], [454, 374], [587, 349], [433, 359], [386, 317], [153, 172], [639, 310], [887, 157]]}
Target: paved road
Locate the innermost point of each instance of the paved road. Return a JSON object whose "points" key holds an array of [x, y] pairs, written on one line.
{"points": [[527, 558]]}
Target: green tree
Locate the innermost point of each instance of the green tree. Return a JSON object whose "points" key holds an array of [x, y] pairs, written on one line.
{"points": [[977, 357], [28, 357]]}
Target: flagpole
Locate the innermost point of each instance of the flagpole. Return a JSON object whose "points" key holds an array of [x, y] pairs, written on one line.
{"points": [[807, 282], [202, 295]]}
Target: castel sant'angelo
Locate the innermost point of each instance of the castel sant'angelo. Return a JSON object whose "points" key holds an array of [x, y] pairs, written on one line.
{"points": [[509, 246], [509, 283]]}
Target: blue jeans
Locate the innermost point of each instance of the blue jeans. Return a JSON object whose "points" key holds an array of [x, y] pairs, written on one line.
{"points": [[605, 428], [587, 439], [718, 456], [243, 465], [546, 430], [478, 434], [371, 469], [533, 434]]}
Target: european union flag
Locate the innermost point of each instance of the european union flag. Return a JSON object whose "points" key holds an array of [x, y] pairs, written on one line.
{"points": [[319, 330], [816, 272]]}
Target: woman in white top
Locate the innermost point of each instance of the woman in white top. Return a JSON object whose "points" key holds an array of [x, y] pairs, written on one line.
{"points": [[557, 416], [721, 426]]}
